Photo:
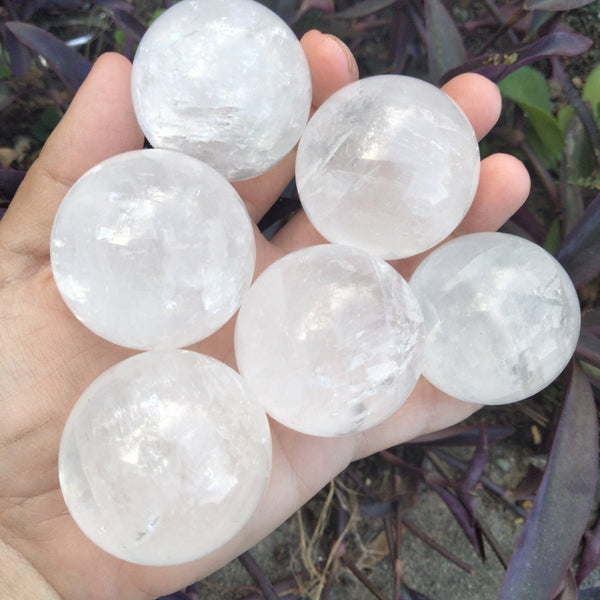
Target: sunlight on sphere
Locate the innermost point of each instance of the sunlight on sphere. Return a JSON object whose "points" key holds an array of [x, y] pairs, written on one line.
{"points": [[501, 317], [165, 457], [330, 339], [152, 249], [388, 164], [225, 81]]}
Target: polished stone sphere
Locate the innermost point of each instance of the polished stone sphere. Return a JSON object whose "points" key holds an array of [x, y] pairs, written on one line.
{"points": [[152, 249], [388, 164], [165, 457], [225, 81], [330, 339], [501, 317]]}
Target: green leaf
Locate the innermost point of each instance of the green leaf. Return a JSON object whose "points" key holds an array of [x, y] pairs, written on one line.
{"points": [[591, 92], [50, 118], [445, 49], [553, 238], [564, 116], [527, 86], [119, 36], [577, 165], [46, 122], [546, 128]]}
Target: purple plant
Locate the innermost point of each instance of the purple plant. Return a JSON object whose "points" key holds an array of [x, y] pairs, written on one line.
{"points": [[426, 39]]}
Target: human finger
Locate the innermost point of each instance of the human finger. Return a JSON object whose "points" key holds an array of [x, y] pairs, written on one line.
{"points": [[332, 66], [503, 187], [302, 465], [478, 98]]}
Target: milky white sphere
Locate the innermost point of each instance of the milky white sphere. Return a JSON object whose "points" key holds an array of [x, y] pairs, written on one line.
{"points": [[330, 338], [152, 249], [165, 457], [501, 317], [388, 164], [225, 81]]}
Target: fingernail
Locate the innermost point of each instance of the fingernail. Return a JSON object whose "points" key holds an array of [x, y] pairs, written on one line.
{"points": [[352, 66]]}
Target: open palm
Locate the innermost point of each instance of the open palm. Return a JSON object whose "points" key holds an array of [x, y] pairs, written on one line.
{"points": [[48, 358]]}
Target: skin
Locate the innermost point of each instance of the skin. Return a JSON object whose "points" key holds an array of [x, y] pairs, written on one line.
{"points": [[49, 358]]}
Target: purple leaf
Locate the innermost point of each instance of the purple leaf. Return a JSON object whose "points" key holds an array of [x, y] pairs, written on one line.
{"points": [[66, 62], [377, 510], [410, 594], [580, 251], [555, 4], [463, 515], [478, 462], [363, 8], [590, 557], [114, 5], [563, 503], [10, 180], [325, 6], [260, 577], [589, 594], [445, 49], [129, 24], [588, 348], [496, 65], [529, 224], [463, 435], [568, 587], [20, 58], [29, 7], [529, 485], [590, 319], [402, 39]]}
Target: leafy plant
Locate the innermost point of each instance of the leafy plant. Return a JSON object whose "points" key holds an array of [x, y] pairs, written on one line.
{"points": [[531, 51], [46, 51]]}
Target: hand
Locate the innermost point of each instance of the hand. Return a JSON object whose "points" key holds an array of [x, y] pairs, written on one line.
{"points": [[48, 358]]}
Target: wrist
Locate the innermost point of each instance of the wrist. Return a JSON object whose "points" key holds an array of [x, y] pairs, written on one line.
{"points": [[19, 580]]}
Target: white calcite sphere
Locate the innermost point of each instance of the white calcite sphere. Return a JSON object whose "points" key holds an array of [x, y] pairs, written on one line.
{"points": [[388, 164], [330, 339], [152, 249], [225, 81], [501, 317], [165, 457]]}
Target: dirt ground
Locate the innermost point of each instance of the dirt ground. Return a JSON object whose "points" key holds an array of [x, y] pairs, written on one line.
{"points": [[423, 569]]}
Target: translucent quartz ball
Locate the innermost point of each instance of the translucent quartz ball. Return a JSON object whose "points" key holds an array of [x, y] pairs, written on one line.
{"points": [[501, 317], [152, 249], [225, 81], [330, 339], [164, 457], [388, 164]]}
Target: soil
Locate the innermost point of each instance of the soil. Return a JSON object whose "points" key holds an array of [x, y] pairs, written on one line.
{"points": [[423, 569]]}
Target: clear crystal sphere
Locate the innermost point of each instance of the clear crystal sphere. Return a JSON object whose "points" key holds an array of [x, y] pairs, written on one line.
{"points": [[330, 338], [164, 457], [502, 317], [152, 249], [388, 164], [225, 81]]}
